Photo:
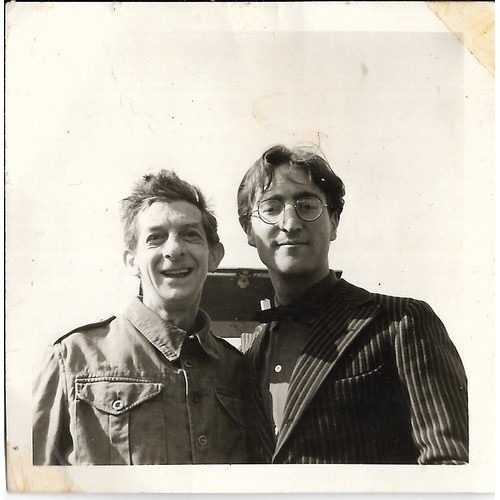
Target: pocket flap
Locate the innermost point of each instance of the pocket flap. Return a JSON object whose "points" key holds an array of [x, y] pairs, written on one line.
{"points": [[233, 406], [115, 397]]}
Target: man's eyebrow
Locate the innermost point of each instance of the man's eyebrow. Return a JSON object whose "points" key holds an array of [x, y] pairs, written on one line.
{"points": [[154, 229], [187, 225], [278, 196]]}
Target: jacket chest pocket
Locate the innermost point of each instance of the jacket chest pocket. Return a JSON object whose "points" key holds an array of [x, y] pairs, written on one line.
{"points": [[119, 421]]}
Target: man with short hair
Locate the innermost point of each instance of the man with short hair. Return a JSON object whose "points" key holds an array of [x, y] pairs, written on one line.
{"points": [[154, 385], [337, 374]]}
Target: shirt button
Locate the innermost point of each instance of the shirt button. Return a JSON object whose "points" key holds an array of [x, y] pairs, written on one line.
{"points": [[277, 368], [188, 363], [276, 430], [203, 440], [117, 405]]}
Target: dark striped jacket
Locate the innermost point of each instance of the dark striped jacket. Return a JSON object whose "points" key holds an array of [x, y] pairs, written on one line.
{"points": [[378, 382]]}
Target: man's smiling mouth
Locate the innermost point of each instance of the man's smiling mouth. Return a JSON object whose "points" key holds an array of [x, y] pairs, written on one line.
{"points": [[177, 273]]}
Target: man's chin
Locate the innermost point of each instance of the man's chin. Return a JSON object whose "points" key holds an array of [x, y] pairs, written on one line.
{"points": [[181, 295], [293, 268], [176, 296]]}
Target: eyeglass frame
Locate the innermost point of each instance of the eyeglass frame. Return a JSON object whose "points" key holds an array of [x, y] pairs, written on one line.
{"points": [[323, 205]]}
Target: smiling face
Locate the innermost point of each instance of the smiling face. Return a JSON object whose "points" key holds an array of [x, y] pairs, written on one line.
{"points": [[172, 256], [293, 249]]}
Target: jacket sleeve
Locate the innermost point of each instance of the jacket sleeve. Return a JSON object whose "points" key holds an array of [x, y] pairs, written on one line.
{"points": [[51, 434], [433, 374]]}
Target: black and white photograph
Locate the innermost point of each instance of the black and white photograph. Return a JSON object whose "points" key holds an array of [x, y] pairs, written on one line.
{"points": [[249, 247]]}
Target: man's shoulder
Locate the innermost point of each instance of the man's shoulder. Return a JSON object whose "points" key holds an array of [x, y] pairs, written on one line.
{"points": [[87, 328], [403, 308], [397, 305], [400, 301]]}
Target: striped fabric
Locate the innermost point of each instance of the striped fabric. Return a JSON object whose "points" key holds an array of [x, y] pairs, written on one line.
{"points": [[379, 382]]}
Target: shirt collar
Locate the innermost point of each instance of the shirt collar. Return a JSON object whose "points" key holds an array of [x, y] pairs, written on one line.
{"points": [[167, 337]]}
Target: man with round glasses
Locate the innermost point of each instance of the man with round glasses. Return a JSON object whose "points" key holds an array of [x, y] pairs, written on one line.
{"points": [[272, 211], [336, 374]]}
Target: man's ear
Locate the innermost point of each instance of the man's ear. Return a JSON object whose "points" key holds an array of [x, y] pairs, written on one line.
{"points": [[334, 224], [215, 255], [130, 264], [250, 235]]}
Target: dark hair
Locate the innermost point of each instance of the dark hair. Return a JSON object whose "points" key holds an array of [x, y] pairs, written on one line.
{"points": [[308, 158], [165, 186]]}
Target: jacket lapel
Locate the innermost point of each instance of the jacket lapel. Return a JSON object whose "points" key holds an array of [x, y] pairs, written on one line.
{"points": [[253, 359], [346, 314]]}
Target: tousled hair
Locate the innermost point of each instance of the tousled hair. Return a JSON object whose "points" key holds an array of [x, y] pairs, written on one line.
{"points": [[309, 159], [165, 186]]}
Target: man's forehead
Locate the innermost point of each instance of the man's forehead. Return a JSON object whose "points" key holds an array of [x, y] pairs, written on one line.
{"points": [[290, 180], [161, 212]]}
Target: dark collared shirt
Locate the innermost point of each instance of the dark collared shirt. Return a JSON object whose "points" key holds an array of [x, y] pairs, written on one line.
{"points": [[138, 390], [287, 339]]}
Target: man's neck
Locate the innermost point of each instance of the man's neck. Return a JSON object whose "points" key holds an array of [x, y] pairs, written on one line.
{"points": [[290, 287], [184, 318]]}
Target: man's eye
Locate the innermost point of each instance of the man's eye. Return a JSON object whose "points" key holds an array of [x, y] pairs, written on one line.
{"points": [[192, 234], [270, 210], [155, 238], [271, 207], [308, 205]]}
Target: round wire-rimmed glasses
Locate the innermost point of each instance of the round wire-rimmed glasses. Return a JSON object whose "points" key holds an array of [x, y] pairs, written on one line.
{"points": [[272, 211]]}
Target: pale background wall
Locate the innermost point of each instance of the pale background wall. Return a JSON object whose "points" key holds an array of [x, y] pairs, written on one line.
{"points": [[99, 94]]}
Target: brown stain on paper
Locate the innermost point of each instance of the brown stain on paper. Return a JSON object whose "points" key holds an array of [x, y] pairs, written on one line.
{"points": [[23, 477], [473, 23]]}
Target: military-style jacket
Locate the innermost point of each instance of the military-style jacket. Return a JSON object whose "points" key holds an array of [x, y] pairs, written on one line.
{"points": [[136, 390]]}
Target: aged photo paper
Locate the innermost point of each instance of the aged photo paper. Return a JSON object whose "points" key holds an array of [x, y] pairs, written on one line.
{"points": [[399, 96]]}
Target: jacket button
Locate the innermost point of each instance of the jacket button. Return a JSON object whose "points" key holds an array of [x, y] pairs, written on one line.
{"points": [[188, 363], [203, 440], [117, 405]]}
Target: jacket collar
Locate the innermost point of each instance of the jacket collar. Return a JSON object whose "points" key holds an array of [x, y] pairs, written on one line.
{"points": [[167, 337]]}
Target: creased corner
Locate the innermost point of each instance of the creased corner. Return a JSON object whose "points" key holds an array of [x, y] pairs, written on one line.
{"points": [[23, 477], [473, 23]]}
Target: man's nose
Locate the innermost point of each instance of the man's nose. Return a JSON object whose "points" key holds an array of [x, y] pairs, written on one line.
{"points": [[291, 221], [173, 247]]}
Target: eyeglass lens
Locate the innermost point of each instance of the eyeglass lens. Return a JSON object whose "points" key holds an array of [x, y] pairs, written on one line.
{"points": [[308, 209]]}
